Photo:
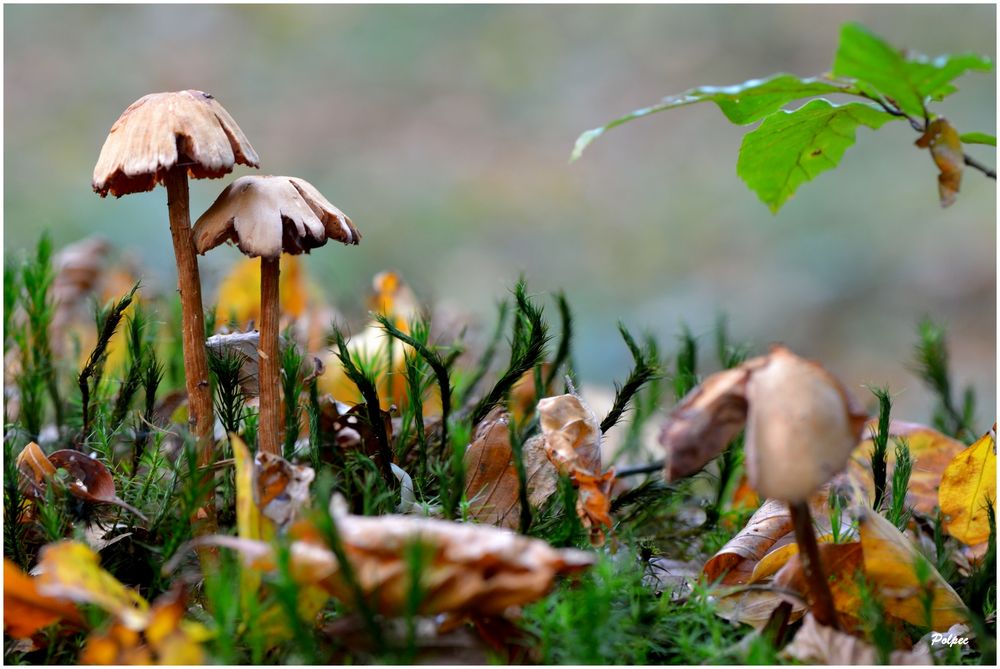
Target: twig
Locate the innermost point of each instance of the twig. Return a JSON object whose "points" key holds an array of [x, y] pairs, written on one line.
{"points": [[640, 469]]}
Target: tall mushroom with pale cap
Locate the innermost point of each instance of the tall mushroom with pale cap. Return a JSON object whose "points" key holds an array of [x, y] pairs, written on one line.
{"points": [[801, 427], [268, 216], [164, 138]]}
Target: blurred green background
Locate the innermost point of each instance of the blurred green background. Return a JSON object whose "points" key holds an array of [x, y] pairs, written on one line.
{"points": [[444, 132]]}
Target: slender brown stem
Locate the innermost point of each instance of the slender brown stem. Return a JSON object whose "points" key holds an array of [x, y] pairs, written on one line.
{"points": [[819, 590], [196, 381], [270, 380]]}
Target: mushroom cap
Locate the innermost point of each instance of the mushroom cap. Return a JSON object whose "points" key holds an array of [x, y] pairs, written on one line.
{"points": [[267, 216], [162, 130], [802, 426]]}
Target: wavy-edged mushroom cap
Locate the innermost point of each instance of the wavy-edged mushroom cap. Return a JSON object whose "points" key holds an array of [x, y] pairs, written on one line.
{"points": [[162, 130], [267, 216], [801, 428]]}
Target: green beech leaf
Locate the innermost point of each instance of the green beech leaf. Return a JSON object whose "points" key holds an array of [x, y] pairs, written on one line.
{"points": [[908, 80], [978, 138], [792, 147], [742, 103]]}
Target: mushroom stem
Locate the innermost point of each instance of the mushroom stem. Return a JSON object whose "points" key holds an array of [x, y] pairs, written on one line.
{"points": [[270, 381], [193, 329], [819, 591]]}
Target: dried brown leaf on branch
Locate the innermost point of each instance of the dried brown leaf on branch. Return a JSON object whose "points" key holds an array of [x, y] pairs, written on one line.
{"points": [[946, 150]]}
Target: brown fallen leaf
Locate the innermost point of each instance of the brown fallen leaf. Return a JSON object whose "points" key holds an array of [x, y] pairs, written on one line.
{"points": [[467, 569], [818, 644], [282, 489], [769, 529], [90, 480], [931, 452], [346, 427], [969, 484], [572, 440], [25, 610], [946, 150], [491, 482]]}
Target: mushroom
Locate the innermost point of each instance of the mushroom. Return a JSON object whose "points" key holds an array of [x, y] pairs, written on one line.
{"points": [[268, 216], [801, 426], [163, 138]]}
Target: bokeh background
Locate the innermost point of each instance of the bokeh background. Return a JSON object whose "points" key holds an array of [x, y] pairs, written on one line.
{"points": [[444, 132]]}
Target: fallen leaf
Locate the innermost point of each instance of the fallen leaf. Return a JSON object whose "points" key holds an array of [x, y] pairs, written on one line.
{"points": [[89, 479], [25, 610], [491, 482], [572, 440], [753, 606], [931, 452], [890, 564], [467, 568], [35, 469], [282, 489], [968, 485], [70, 570], [167, 638], [347, 427], [246, 345], [840, 564], [946, 150], [819, 644]]}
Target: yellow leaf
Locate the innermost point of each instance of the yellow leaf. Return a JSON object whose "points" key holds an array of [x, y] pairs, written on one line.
{"points": [[931, 452], [946, 150], [70, 570], [891, 563], [239, 294], [968, 485]]}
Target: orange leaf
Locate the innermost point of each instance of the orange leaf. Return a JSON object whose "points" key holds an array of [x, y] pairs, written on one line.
{"points": [[25, 611]]}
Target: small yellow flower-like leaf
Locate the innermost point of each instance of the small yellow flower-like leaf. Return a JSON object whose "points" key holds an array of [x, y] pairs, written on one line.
{"points": [[71, 570], [969, 483]]}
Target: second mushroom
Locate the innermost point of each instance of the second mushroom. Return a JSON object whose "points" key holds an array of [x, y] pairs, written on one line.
{"points": [[266, 216]]}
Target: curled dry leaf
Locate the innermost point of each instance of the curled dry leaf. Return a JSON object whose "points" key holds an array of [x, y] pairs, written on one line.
{"points": [[890, 562], [347, 427], [946, 150], [801, 424], [89, 479], [25, 610], [491, 483], [167, 639], [969, 484], [70, 570], [466, 568], [572, 438], [282, 489], [931, 452], [819, 644]]}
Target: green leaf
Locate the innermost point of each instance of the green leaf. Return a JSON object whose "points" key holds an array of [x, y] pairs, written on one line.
{"points": [[792, 147], [909, 80], [742, 103], [978, 138]]}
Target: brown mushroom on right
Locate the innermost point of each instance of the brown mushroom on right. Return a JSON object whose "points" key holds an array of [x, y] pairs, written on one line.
{"points": [[801, 426], [266, 216]]}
